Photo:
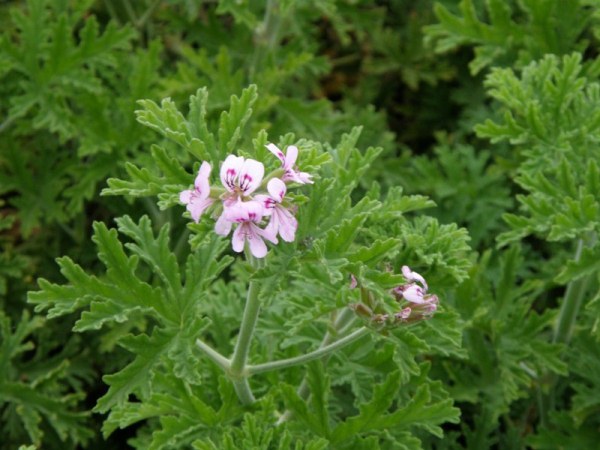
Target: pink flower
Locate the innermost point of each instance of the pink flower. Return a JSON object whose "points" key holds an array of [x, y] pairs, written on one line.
{"points": [[287, 162], [247, 215], [282, 221], [241, 177], [421, 304], [413, 276], [413, 294], [417, 312], [353, 282], [197, 199]]}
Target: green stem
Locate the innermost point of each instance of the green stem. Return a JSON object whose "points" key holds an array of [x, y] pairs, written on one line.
{"points": [[147, 14], [111, 12], [571, 304], [343, 322], [180, 244], [265, 36], [155, 213], [237, 369], [316, 354], [130, 12], [214, 355], [567, 320]]}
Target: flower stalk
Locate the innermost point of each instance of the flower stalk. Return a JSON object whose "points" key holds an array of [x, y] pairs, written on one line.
{"points": [[316, 354], [565, 325], [572, 301], [340, 326], [214, 355]]}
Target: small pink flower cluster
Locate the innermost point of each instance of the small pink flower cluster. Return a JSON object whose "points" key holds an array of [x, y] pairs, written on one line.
{"points": [[240, 206], [416, 303], [421, 305]]}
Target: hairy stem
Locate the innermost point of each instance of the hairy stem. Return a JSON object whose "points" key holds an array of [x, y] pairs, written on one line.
{"points": [[265, 36], [7, 123], [111, 11], [147, 14], [567, 320], [343, 322], [130, 12], [316, 354], [237, 370], [571, 304], [214, 355]]}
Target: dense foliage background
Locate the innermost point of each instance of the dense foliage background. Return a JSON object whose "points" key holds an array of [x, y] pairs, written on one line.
{"points": [[487, 108]]}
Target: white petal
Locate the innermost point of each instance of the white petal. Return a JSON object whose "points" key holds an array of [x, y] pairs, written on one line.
{"points": [[413, 276], [255, 210], [201, 183], [287, 224], [413, 294], [297, 177], [223, 226], [230, 171], [257, 245], [251, 175], [197, 206], [185, 196], [277, 189], [270, 231], [304, 177], [291, 156], [237, 212], [267, 203], [239, 237], [275, 150]]}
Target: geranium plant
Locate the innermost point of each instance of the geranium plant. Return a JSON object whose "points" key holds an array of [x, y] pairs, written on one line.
{"points": [[323, 279]]}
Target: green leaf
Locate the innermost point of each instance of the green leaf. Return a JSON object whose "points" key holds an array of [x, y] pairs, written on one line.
{"points": [[370, 413], [587, 264], [136, 376], [231, 123], [376, 251]]}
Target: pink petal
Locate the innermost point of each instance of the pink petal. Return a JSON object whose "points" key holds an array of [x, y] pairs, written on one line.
{"points": [[236, 213], [267, 203], [239, 237], [304, 177], [404, 314], [287, 224], [230, 171], [270, 231], [297, 177], [223, 226], [251, 211], [257, 246], [251, 175], [291, 156], [413, 276], [197, 206], [275, 150], [255, 210], [277, 189], [413, 294], [185, 196], [201, 182]]}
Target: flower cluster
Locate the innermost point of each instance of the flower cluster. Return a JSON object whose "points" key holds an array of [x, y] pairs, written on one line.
{"points": [[416, 304], [240, 202], [419, 304]]}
